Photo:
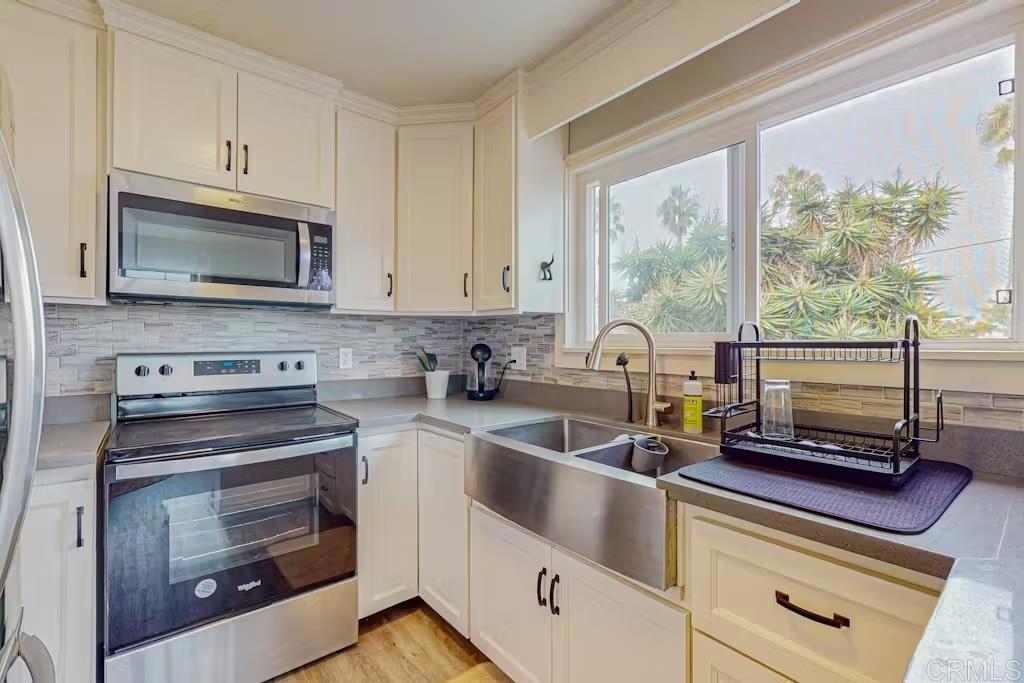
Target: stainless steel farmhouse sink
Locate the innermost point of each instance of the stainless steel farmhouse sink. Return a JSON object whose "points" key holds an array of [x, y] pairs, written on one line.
{"points": [[568, 480]]}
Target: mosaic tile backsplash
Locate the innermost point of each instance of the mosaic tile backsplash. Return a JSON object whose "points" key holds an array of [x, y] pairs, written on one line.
{"points": [[82, 342]]}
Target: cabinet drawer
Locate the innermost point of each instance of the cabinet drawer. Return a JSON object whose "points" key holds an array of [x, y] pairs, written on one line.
{"points": [[715, 663], [805, 616]]}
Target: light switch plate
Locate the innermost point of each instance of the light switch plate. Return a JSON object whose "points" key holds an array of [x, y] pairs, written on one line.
{"points": [[344, 359], [519, 356]]}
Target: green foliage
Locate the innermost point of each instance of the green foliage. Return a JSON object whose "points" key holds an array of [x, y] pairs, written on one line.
{"points": [[995, 128], [834, 263]]}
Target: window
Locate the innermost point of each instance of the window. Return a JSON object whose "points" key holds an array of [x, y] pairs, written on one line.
{"points": [[829, 212], [661, 245], [896, 202]]}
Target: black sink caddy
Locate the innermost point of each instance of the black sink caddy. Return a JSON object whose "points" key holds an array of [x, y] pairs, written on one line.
{"points": [[879, 458]]}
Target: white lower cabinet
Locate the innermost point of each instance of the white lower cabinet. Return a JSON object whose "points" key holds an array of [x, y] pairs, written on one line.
{"points": [[511, 621], [388, 512], [444, 528], [542, 615], [53, 579], [715, 663]]}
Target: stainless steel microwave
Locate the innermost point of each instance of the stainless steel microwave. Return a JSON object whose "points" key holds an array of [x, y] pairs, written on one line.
{"points": [[171, 240]]}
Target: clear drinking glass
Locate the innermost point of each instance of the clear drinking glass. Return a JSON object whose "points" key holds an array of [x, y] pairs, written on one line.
{"points": [[777, 410]]}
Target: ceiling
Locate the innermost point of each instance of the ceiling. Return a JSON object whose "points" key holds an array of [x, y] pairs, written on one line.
{"points": [[403, 52]]}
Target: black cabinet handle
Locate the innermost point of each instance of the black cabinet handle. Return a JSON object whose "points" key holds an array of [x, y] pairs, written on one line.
{"points": [[551, 596], [504, 278], [836, 621], [228, 167], [465, 285], [391, 285], [79, 539], [366, 471], [81, 259], [541, 600], [245, 159]]}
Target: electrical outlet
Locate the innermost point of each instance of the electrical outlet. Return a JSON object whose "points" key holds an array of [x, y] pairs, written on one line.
{"points": [[344, 359], [519, 356]]}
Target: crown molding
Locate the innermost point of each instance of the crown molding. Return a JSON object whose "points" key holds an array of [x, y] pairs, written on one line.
{"points": [[499, 92], [612, 29], [123, 17], [436, 113], [350, 100], [83, 11]]}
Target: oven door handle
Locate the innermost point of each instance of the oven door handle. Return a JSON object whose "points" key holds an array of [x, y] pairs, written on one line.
{"points": [[181, 465], [305, 256]]}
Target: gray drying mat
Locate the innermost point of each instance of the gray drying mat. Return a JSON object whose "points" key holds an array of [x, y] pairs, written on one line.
{"points": [[910, 509]]}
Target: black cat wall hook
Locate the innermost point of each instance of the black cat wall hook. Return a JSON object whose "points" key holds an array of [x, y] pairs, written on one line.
{"points": [[545, 269]]}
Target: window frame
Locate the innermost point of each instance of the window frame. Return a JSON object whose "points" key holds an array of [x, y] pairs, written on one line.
{"points": [[744, 123]]}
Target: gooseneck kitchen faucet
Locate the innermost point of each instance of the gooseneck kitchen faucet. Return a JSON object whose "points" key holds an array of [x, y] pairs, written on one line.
{"points": [[594, 361]]}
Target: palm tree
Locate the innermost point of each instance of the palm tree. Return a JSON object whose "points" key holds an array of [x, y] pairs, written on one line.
{"points": [[679, 211], [995, 128], [616, 226]]}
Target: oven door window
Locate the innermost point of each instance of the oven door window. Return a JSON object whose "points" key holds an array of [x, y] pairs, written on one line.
{"points": [[172, 240], [187, 548]]}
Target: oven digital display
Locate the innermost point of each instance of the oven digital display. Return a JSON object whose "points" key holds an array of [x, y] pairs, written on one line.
{"points": [[319, 239], [226, 367]]}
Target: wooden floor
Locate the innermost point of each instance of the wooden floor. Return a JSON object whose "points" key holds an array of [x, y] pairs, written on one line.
{"points": [[407, 643]]}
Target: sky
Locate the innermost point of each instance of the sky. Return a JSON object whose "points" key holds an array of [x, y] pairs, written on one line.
{"points": [[925, 126]]}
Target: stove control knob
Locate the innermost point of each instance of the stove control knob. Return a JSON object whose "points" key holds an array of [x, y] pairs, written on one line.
{"points": [[300, 365], [141, 371], [282, 366], [166, 370]]}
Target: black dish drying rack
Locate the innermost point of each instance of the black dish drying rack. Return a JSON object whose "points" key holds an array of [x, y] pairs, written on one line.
{"points": [[877, 457]]}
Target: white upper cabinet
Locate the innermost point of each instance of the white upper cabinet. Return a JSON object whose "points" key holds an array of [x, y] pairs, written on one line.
{"points": [[365, 272], [519, 214], [183, 116], [51, 63], [494, 205], [175, 113], [286, 141], [435, 217]]}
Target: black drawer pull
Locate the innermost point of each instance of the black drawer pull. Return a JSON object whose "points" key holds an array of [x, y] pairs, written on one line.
{"points": [[81, 259], [228, 167], [551, 597], [391, 285], [245, 159], [80, 538], [541, 600], [465, 285], [366, 471], [835, 621]]}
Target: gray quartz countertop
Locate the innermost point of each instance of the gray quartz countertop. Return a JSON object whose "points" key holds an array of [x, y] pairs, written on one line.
{"points": [[70, 445], [455, 413]]}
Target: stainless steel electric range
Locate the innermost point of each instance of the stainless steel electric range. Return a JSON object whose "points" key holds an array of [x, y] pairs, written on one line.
{"points": [[228, 522]]}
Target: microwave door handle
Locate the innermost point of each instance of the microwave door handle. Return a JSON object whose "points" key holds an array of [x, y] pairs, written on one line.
{"points": [[305, 254]]}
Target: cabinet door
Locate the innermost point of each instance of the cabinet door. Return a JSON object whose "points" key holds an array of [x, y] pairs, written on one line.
{"points": [[444, 529], [606, 630], [511, 621], [366, 213], [53, 579], [52, 65], [174, 113], [435, 217], [715, 663], [387, 521], [286, 138], [494, 223]]}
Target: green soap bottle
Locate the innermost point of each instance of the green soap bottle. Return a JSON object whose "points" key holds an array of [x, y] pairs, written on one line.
{"points": [[693, 405]]}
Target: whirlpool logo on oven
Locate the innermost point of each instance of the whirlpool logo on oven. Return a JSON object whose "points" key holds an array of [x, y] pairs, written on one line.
{"points": [[246, 587]]}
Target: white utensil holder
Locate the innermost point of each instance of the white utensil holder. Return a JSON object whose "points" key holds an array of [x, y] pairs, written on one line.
{"points": [[437, 383]]}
